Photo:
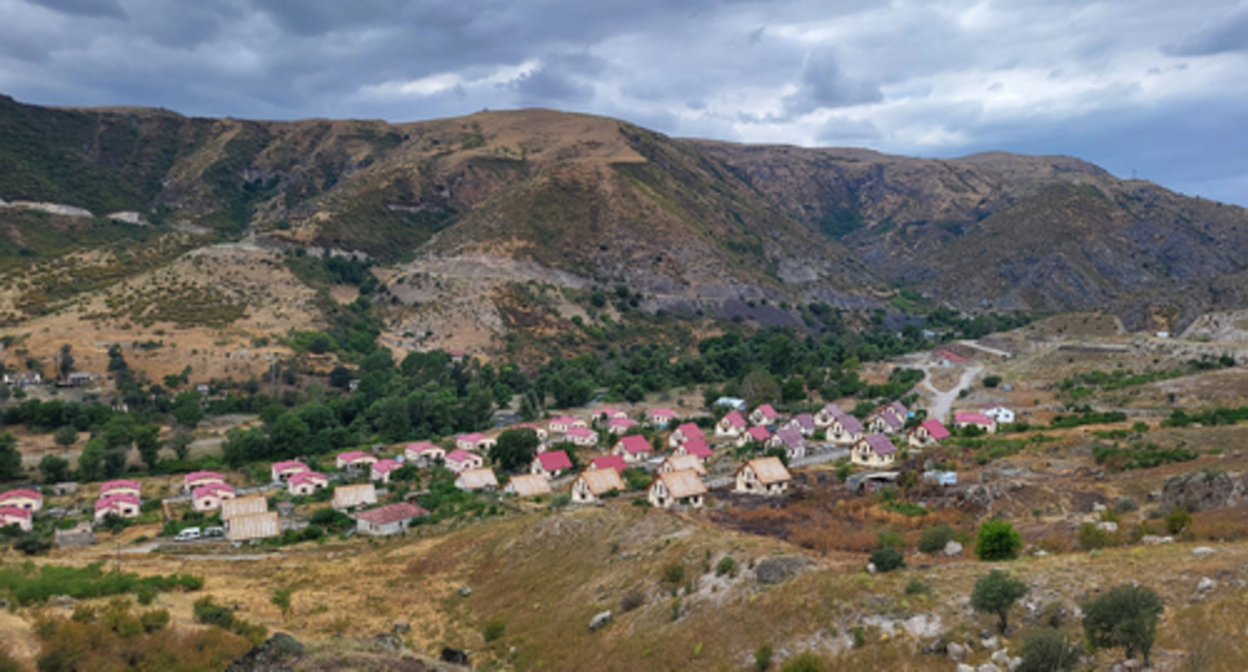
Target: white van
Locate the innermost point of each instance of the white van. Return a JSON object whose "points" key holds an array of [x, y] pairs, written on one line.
{"points": [[188, 534]]}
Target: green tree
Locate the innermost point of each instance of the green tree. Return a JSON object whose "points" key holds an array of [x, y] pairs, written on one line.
{"points": [[997, 540], [992, 381], [147, 440], [1124, 617], [181, 444], [515, 449], [793, 389], [887, 559], [66, 436], [118, 432], [759, 387], [282, 598], [186, 409], [289, 435], [10, 459], [66, 363], [995, 593], [114, 462], [340, 377], [54, 469], [91, 461], [1047, 650]]}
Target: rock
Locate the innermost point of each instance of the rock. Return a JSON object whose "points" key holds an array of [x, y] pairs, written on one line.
{"points": [[1205, 585], [987, 667], [871, 568], [454, 656], [1097, 507], [1202, 551], [600, 620], [956, 652], [402, 627], [1132, 664], [1107, 525], [387, 642], [953, 549], [1001, 657], [1041, 553], [962, 667], [1201, 491], [1154, 540], [779, 570], [465, 591], [62, 601], [278, 653], [990, 643]]}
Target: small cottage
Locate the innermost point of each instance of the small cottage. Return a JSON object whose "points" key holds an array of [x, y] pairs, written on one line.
{"points": [[563, 423], [634, 449], [121, 486], [964, 419], [476, 479], [424, 454], [999, 414], [354, 459], [681, 463], [475, 441], [757, 433], [661, 417], [305, 483], [883, 422], [873, 450], [696, 448], [350, 497], [24, 498], [209, 497], [763, 415], [197, 479], [386, 520], [254, 526], [461, 460], [16, 515], [527, 485], [125, 506], [615, 462], [762, 476], [620, 425], [594, 484], [381, 470], [684, 433], [282, 471], [242, 506], [676, 488], [927, 432], [581, 436], [803, 423], [792, 441], [842, 427], [730, 425], [550, 464]]}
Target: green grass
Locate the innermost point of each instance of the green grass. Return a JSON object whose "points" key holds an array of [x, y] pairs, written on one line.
{"points": [[29, 584]]}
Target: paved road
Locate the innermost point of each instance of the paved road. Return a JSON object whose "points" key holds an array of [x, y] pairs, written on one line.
{"points": [[940, 402]]}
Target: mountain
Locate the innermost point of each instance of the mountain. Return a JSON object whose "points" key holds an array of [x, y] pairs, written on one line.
{"points": [[686, 223]]}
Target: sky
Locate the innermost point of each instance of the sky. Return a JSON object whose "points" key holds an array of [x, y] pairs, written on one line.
{"points": [[1152, 88]]}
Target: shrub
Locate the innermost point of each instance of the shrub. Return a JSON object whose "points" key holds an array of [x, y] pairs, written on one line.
{"points": [[209, 612], [995, 593], [494, 631], [934, 539], [803, 662], [1048, 651], [154, 620], [146, 595], [762, 657], [992, 381], [631, 600], [887, 560], [997, 540], [1178, 519], [726, 565], [917, 587], [673, 575], [1092, 537], [1124, 617]]}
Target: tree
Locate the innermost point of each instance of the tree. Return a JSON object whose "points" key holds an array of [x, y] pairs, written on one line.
{"points": [[147, 440], [793, 389], [995, 593], [91, 461], [186, 409], [758, 387], [114, 462], [992, 381], [997, 540], [181, 444], [1048, 651], [10, 459], [1126, 616], [66, 363], [66, 436], [340, 377], [54, 469], [515, 449], [887, 559], [282, 600], [289, 435]]}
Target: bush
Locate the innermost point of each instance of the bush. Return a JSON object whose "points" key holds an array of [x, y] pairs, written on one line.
{"points": [[1048, 651], [154, 620], [1124, 617], [762, 657], [992, 381], [1092, 537], [803, 662], [934, 539], [494, 631], [997, 540], [726, 565], [209, 612], [146, 595], [1178, 520], [887, 560], [631, 600], [917, 587], [995, 593]]}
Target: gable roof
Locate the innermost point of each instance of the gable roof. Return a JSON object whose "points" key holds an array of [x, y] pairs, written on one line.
{"points": [[900, 408], [553, 460], [211, 489], [848, 422], [599, 481], [615, 462], [565, 420], [662, 412], [621, 422], [972, 418], [890, 420], [461, 455], [582, 432], [950, 356], [385, 466], [307, 476], [353, 455], [114, 501], [734, 419], [527, 485], [691, 431], [474, 437], [767, 411], [804, 420], [475, 479], [683, 462], [758, 433], [767, 470], [879, 444], [423, 447], [791, 438], [290, 464], [390, 513], [355, 495], [697, 448], [935, 429], [15, 512], [681, 484], [201, 475], [635, 444], [243, 506], [109, 486]]}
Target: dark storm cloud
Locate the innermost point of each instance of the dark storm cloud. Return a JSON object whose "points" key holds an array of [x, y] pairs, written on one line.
{"points": [[934, 78]]}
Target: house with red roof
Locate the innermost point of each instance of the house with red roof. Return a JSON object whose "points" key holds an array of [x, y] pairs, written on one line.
{"points": [[873, 450], [16, 515], [305, 483], [948, 357], [540, 431], [612, 461], [634, 449], [563, 423], [125, 506], [620, 425], [197, 479], [22, 498], [684, 433], [927, 432], [581, 436], [121, 486], [386, 520], [551, 464], [474, 441], [757, 433], [209, 497], [381, 470], [461, 460], [763, 415], [282, 471], [696, 448], [660, 417], [354, 459], [424, 454], [964, 419], [730, 425]]}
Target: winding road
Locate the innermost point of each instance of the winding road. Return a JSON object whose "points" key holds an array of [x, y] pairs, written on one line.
{"points": [[941, 402]]}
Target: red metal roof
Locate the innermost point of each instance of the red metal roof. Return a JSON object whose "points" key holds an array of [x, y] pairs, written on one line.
{"points": [[615, 462], [636, 444], [390, 513], [20, 492], [697, 448], [935, 429], [553, 460], [15, 511], [691, 431]]}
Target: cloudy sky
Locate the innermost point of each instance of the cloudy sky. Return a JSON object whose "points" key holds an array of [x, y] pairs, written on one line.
{"points": [[1154, 87]]}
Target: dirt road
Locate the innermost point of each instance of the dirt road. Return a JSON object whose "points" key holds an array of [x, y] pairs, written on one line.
{"points": [[940, 402]]}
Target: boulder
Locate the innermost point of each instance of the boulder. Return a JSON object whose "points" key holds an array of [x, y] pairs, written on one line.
{"points": [[963, 667], [1001, 657], [956, 652], [1202, 551], [781, 569], [953, 549], [1201, 491], [278, 653], [402, 627], [600, 620], [387, 642], [1205, 585], [991, 643], [465, 591], [1154, 540], [871, 568], [988, 667], [1107, 525]]}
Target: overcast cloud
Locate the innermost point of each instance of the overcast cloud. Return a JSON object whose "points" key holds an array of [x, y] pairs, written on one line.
{"points": [[1151, 86]]}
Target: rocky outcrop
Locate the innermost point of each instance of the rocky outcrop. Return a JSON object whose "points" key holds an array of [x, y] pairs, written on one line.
{"points": [[278, 653], [1202, 491], [781, 569]]}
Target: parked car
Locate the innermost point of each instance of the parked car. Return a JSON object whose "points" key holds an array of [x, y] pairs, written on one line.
{"points": [[214, 532], [188, 534]]}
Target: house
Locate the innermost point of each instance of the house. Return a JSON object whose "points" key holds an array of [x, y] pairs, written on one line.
{"points": [[306, 483], [381, 470], [77, 536], [883, 422], [209, 497], [540, 431], [354, 459], [948, 357], [676, 487], [475, 441], [242, 506], [581, 436], [615, 462], [527, 485], [424, 454], [125, 506], [763, 476], [730, 425], [476, 479], [873, 450], [457, 355], [13, 515], [550, 464], [763, 415], [197, 479], [254, 526], [461, 460], [22, 379], [24, 498], [731, 402], [825, 415], [756, 433], [634, 449], [347, 497], [661, 417], [603, 414], [696, 448], [79, 379], [802, 422], [897, 410], [843, 428], [562, 424], [282, 471], [927, 432], [620, 425], [592, 485], [680, 463], [121, 486], [386, 520], [998, 413], [684, 433], [791, 440], [963, 419]]}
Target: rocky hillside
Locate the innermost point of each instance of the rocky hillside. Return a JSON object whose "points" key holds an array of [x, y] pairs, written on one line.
{"points": [[685, 222]]}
